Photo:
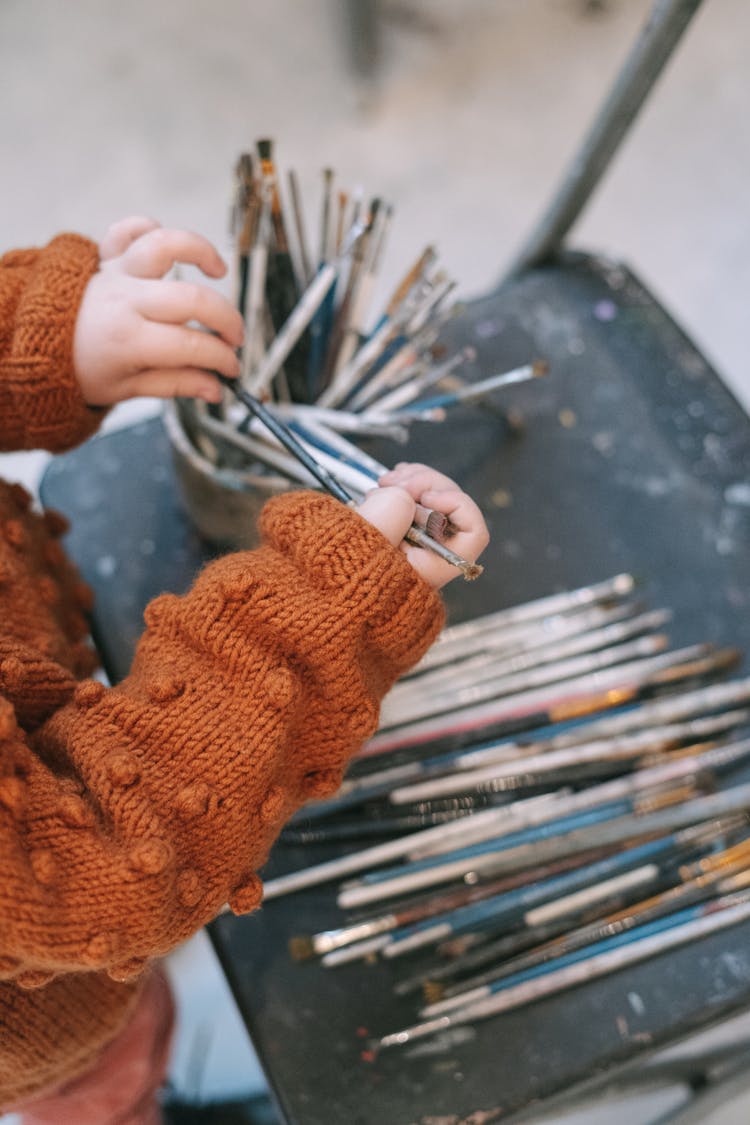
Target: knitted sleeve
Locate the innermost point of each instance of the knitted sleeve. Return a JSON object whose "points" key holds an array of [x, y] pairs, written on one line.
{"points": [[132, 814], [41, 406]]}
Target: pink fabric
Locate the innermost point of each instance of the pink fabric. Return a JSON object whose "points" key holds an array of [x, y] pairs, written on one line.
{"points": [[121, 1088]]}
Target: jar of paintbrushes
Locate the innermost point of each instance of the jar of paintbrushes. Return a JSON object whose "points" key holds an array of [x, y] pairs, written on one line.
{"points": [[323, 368]]}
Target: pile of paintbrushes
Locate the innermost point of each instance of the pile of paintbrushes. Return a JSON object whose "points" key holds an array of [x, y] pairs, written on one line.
{"points": [[554, 795], [325, 364]]}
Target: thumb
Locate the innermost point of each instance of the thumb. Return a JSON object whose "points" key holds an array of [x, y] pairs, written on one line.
{"points": [[391, 510]]}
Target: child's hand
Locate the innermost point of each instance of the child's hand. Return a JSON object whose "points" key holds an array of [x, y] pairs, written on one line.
{"points": [[132, 336], [391, 507]]}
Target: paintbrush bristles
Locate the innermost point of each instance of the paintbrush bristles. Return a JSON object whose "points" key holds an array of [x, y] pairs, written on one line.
{"points": [[301, 948], [420, 538], [337, 352]]}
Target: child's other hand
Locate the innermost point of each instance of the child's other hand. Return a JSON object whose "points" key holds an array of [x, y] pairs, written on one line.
{"points": [[120, 235], [391, 508], [132, 335]]}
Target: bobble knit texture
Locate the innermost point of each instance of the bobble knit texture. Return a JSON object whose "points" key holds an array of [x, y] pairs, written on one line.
{"points": [[130, 815]]}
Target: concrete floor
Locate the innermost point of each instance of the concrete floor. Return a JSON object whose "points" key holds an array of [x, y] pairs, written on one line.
{"points": [[109, 109]]}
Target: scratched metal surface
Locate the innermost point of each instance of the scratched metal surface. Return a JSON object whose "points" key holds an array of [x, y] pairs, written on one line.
{"points": [[633, 456]]}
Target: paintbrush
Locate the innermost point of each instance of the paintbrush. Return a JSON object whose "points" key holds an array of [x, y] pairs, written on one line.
{"points": [[372, 936], [502, 679], [497, 951], [418, 270], [393, 944], [245, 221], [255, 298], [320, 326], [552, 704], [381, 853], [662, 906], [262, 452], [297, 322], [504, 858], [454, 639], [362, 362], [653, 713], [389, 329], [369, 424], [467, 854], [497, 672], [343, 203], [641, 932], [351, 796], [451, 736], [498, 662], [368, 281], [473, 391], [413, 276], [306, 269], [281, 283], [672, 772], [527, 813], [287, 439], [344, 333], [699, 880], [525, 639], [567, 894], [586, 775], [723, 913], [367, 826], [439, 287], [460, 640], [302, 947], [370, 781], [324, 251], [404, 342], [620, 750], [418, 382], [406, 366], [485, 950], [545, 706]]}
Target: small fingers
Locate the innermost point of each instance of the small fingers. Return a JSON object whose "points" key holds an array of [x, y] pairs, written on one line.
{"points": [[154, 253], [469, 535], [177, 302], [416, 478], [173, 346], [176, 382], [435, 490], [471, 532], [463, 514], [121, 234]]}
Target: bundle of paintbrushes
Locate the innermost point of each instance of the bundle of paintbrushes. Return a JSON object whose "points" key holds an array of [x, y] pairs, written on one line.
{"points": [[320, 360], [553, 794]]}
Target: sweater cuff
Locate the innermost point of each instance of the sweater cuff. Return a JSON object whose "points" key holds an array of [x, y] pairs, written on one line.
{"points": [[341, 553], [43, 386]]}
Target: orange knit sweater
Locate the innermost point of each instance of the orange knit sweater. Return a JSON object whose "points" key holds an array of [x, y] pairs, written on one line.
{"points": [[130, 815]]}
